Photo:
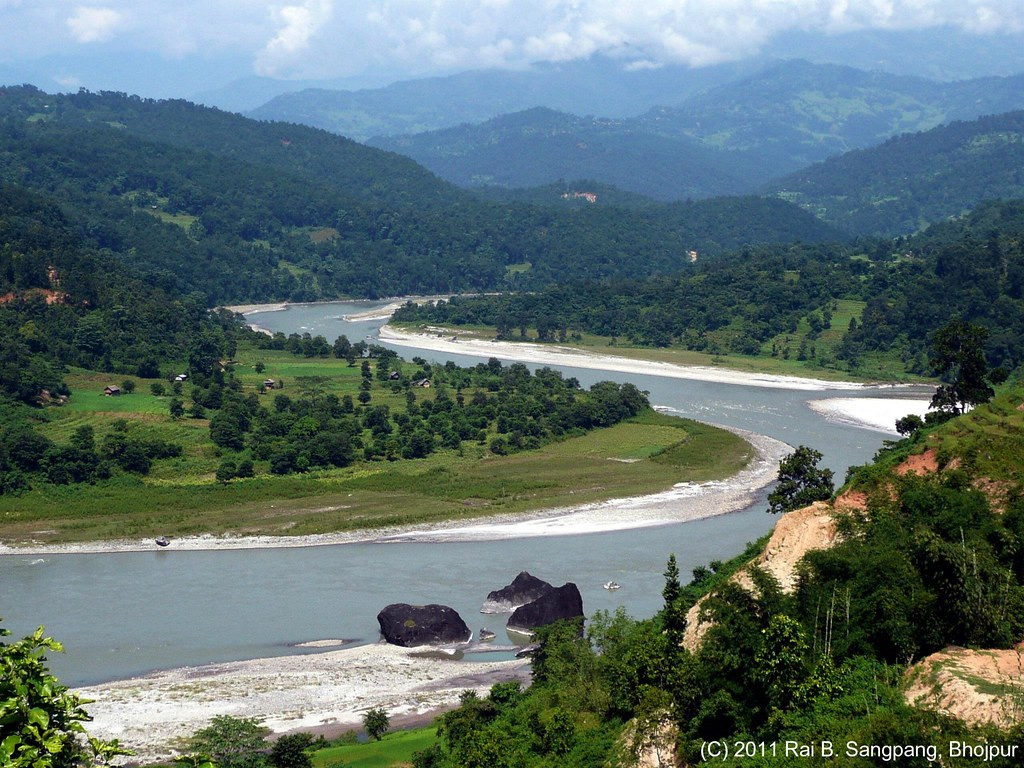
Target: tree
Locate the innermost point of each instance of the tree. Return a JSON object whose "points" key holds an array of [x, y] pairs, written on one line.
{"points": [[289, 751], [40, 721], [801, 482], [176, 408], [231, 742], [376, 723], [958, 359], [226, 471], [674, 618], [909, 424]]}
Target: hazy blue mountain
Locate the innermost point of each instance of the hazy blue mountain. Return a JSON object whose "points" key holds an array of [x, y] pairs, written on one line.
{"points": [[247, 93], [598, 86], [539, 146], [940, 53], [726, 140], [796, 113], [912, 180]]}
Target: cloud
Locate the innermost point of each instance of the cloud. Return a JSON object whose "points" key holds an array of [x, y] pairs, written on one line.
{"points": [[298, 25], [334, 38], [93, 25], [470, 33]]}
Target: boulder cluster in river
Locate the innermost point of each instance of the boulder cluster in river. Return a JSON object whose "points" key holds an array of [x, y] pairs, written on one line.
{"points": [[532, 602]]}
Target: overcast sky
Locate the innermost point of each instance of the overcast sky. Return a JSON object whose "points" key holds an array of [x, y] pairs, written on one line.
{"points": [[340, 38]]}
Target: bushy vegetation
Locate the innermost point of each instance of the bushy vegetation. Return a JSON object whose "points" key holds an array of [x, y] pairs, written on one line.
{"points": [[914, 180], [240, 210], [785, 302]]}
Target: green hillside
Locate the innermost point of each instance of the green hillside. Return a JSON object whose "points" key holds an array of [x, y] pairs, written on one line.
{"points": [[727, 139], [868, 309], [241, 210], [538, 146], [916, 179]]}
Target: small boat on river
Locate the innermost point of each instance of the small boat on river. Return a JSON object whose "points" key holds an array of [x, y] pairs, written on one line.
{"points": [[486, 635], [611, 585]]}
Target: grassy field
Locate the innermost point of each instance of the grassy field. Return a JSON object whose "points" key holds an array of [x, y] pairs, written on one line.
{"points": [[393, 750], [872, 367], [181, 496]]}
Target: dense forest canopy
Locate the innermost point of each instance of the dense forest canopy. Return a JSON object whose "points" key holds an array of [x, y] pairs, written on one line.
{"points": [[751, 301], [243, 210], [915, 179]]}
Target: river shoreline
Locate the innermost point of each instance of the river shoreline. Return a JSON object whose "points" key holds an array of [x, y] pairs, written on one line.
{"points": [[546, 354], [317, 692], [682, 503]]}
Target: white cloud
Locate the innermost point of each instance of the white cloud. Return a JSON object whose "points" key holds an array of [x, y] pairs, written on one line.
{"points": [[93, 25], [297, 26], [323, 38]]}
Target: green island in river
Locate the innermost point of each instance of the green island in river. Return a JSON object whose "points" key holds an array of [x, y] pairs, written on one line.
{"points": [[263, 476]]}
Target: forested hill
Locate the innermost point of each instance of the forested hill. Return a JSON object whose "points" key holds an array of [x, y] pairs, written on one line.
{"points": [[729, 139], [538, 146], [856, 308], [64, 301], [243, 210], [915, 179], [797, 113], [344, 165]]}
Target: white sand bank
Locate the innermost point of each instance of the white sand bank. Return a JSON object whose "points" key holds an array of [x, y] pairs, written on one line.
{"points": [[547, 354], [286, 693], [878, 413]]}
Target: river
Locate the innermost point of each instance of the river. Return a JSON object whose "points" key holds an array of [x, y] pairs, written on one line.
{"points": [[127, 613]]}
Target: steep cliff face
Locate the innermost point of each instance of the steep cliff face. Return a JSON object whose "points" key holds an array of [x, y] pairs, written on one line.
{"points": [[983, 687], [796, 533]]}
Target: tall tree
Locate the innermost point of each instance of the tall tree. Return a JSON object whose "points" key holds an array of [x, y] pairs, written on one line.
{"points": [[958, 359], [801, 482]]}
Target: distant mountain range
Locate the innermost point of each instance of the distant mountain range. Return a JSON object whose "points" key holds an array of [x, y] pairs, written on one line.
{"points": [[915, 179], [594, 87], [541, 146], [203, 200], [730, 139]]}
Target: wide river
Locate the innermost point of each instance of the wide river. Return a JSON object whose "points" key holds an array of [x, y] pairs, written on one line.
{"points": [[127, 613]]}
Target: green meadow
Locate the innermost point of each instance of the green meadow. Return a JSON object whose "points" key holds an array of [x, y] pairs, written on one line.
{"points": [[181, 496], [394, 749]]}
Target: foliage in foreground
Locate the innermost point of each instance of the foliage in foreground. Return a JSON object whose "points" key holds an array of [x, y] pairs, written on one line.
{"points": [[929, 564], [41, 722]]}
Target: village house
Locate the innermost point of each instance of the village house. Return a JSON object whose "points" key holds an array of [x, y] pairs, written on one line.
{"points": [[112, 391]]}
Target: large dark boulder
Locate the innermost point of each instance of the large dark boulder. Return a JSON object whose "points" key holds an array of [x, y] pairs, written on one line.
{"points": [[564, 602], [523, 590], [410, 625]]}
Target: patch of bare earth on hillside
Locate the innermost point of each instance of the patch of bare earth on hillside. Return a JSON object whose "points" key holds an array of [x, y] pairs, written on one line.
{"points": [[920, 463], [797, 533], [978, 687]]}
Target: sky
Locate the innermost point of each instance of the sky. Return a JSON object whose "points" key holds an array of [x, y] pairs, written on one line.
{"points": [[321, 39]]}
